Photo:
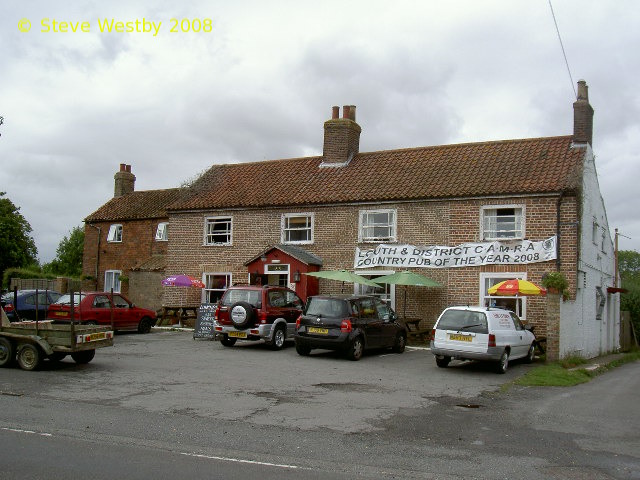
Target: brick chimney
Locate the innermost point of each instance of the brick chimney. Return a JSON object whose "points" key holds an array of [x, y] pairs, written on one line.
{"points": [[341, 137], [125, 181], [582, 116]]}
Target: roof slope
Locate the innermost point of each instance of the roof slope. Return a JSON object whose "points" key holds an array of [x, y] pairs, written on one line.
{"points": [[137, 205], [538, 165]]}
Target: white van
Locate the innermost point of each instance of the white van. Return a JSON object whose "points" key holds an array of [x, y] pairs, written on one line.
{"points": [[481, 333]]}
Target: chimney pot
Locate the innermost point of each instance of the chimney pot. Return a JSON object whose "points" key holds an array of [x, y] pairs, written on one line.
{"points": [[352, 112], [123, 167], [335, 112], [345, 111], [128, 167]]}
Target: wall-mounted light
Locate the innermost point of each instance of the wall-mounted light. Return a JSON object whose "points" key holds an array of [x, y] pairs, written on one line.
{"points": [[296, 276]]}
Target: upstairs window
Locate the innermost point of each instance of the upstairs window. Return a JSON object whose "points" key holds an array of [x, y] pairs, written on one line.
{"points": [[115, 233], [162, 232], [377, 226], [218, 231], [297, 228], [502, 223]]}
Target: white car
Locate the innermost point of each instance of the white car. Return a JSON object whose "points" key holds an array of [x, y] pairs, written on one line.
{"points": [[481, 333]]}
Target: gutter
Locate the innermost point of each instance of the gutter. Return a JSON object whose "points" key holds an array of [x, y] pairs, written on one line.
{"points": [[98, 251]]}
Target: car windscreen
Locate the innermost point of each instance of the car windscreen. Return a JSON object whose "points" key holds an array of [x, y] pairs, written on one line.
{"points": [[463, 320], [327, 307], [251, 297]]}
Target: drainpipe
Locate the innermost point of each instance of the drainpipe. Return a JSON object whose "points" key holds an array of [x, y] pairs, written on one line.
{"points": [[558, 207], [97, 252]]}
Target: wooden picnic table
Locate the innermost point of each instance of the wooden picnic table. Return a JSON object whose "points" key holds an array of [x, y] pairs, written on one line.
{"points": [[182, 313], [414, 330]]}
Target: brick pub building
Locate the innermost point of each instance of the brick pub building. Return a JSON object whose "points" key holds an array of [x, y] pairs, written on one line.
{"points": [[521, 208]]}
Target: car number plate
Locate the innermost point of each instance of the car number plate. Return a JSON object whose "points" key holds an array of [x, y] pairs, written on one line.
{"points": [[238, 334], [61, 314], [323, 331], [460, 338]]}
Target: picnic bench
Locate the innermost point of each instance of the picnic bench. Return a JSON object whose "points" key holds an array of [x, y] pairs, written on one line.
{"points": [[415, 332], [185, 315]]}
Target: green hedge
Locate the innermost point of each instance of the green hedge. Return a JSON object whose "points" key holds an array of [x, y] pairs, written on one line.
{"points": [[25, 273]]}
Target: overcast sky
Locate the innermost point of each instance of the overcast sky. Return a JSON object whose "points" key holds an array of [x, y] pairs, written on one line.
{"points": [[261, 82]]}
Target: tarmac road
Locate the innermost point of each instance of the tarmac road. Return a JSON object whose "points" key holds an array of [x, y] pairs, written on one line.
{"points": [[166, 406]]}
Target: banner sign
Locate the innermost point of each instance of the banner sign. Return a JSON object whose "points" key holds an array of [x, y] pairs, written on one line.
{"points": [[514, 252]]}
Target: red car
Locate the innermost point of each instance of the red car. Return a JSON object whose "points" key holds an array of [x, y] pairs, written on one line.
{"points": [[98, 308]]}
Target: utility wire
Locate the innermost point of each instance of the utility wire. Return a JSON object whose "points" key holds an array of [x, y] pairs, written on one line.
{"points": [[573, 85]]}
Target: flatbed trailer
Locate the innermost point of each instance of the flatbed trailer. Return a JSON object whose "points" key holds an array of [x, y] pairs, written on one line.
{"points": [[30, 342]]}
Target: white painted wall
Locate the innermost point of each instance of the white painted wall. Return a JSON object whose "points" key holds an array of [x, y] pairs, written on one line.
{"points": [[580, 331]]}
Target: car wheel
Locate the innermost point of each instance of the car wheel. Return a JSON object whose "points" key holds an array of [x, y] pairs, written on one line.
{"points": [[7, 353], [278, 339], [531, 354], [503, 363], [57, 356], [29, 357], [401, 343], [228, 342], [443, 362], [83, 356], [356, 349], [242, 315], [303, 350], [145, 325]]}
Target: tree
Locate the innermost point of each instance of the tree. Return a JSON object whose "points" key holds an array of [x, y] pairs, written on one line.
{"points": [[629, 268], [17, 247], [68, 259]]}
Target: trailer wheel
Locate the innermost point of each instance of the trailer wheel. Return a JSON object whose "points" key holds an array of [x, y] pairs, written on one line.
{"points": [[7, 353], [83, 356], [57, 356], [29, 356]]}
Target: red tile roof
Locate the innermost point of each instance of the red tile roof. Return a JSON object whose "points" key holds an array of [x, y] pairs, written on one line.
{"points": [[137, 205], [537, 165]]}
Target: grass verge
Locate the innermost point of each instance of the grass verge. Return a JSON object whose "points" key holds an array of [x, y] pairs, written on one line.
{"points": [[566, 373]]}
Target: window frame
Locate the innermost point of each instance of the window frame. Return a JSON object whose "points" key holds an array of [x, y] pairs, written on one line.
{"points": [[392, 225], [490, 300], [229, 232], [484, 231], [114, 235], [284, 229], [117, 284], [162, 232], [206, 289]]}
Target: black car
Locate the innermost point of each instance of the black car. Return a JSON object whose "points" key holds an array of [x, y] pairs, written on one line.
{"points": [[348, 323], [29, 303]]}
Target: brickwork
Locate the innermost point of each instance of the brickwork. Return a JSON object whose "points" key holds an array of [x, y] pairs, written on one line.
{"points": [[138, 244], [336, 238]]}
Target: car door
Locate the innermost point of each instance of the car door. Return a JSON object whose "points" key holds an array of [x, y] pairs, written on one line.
{"points": [[388, 328], [293, 307], [521, 338], [371, 322], [123, 316], [99, 312]]}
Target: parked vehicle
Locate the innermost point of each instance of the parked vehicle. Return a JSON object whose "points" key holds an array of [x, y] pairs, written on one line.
{"points": [[266, 313], [481, 333], [348, 323], [26, 307], [29, 342], [101, 308]]}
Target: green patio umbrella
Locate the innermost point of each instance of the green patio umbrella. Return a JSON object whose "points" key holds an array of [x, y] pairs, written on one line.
{"points": [[343, 276], [407, 278]]}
